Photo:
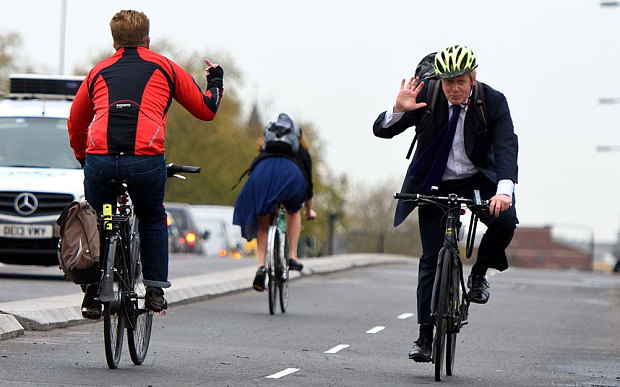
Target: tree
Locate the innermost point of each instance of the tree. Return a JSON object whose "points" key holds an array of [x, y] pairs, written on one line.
{"points": [[9, 44], [371, 229]]}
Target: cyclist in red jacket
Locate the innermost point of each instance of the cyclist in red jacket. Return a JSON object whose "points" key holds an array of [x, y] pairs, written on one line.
{"points": [[117, 128]]}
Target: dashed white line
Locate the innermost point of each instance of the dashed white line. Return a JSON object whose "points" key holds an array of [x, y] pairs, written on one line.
{"points": [[376, 329], [280, 374], [405, 316], [337, 348]]}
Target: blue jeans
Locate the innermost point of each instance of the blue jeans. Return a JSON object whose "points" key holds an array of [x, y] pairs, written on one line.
{"points": [[146, 176]]}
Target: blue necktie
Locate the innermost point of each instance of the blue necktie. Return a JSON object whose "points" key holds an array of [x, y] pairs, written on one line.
{"points": [[440, 147]]}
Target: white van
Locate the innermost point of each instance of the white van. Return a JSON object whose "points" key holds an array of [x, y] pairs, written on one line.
{"points": [[224, 238], [39, 174]]}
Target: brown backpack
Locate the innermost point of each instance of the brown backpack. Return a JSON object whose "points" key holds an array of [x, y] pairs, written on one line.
{"points": [[79, 245]]}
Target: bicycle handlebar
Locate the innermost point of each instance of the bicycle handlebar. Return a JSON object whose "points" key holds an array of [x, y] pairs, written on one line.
{"points": [[172, 169], [443, 199]]}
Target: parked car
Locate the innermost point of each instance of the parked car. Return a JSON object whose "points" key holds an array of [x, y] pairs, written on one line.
{"points": [[192, 237], [224, 238], [176, 242], [39, 174]]}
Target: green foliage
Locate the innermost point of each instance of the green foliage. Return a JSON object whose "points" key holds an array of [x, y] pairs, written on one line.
{"points": [[370, 227], [9, 43]]}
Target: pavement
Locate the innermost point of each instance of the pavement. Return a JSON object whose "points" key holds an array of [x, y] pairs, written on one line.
{"points": [[46, 313]]}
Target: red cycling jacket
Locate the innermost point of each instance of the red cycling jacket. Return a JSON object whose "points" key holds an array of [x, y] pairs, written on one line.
{"points": [[128, 95]]}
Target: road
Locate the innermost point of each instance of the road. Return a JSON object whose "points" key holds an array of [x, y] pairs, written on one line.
{"points": [[539, 328], [21, 282]]}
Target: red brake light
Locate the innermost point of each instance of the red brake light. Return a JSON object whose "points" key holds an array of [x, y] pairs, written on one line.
{"points": [[223, 253]]}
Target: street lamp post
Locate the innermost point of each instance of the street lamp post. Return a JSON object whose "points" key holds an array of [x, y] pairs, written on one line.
{"points": [[63, 28]]}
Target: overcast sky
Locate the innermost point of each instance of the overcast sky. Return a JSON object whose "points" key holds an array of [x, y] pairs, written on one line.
{"points": [[339, 64]]}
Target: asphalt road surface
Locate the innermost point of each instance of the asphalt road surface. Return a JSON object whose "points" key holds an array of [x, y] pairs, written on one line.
{"points": [[351, 328], [23, 282]]}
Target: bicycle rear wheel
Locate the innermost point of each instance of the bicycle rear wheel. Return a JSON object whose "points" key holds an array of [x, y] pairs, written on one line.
{"points": [[113, 313], [441, 311], [141, 323], [273, 248]]}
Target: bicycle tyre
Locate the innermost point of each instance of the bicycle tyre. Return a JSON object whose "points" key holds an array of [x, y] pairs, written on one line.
{"points": [[141, 323], [454, 322], [440, 318], [273, 246], [113, 315], [284, 276]]}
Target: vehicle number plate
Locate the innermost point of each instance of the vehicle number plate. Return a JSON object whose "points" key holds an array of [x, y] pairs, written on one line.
{"points": [[26, 231]]}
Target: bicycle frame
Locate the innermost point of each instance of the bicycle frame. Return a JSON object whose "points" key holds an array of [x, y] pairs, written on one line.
{"points": [[449, 301]]}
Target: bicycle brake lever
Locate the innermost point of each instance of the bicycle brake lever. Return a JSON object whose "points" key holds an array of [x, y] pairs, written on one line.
{"points": [[179, 176]]}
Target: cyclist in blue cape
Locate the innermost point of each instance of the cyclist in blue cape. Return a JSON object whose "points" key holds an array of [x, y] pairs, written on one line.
{"points": [[276, 176], [457, 153]]}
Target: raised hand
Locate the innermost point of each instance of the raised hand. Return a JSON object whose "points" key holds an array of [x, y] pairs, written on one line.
{"points": [[406, 99]]}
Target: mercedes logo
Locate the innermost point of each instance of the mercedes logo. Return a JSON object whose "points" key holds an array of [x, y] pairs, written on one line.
{"points": [[26, 204]]}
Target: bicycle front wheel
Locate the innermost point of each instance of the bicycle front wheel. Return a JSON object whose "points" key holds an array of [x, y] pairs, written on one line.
{"points": [[141, 323], [113, 313], [283, 282], [441, 312]]}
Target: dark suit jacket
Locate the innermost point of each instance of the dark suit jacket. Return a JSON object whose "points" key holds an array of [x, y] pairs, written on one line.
{"points": [[494, 153]]}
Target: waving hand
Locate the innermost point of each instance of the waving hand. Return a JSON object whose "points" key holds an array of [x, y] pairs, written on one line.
{"points": [[406, 99]]}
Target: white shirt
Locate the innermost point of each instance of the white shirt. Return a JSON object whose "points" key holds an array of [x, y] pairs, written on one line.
{"points": [[459, 166]]}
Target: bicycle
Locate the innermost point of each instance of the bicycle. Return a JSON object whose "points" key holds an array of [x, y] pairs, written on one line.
{"points": [[276, 263], [449, 300], [121, 290]]}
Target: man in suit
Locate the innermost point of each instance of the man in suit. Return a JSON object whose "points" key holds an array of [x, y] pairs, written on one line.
{"points": [[457, 153]]}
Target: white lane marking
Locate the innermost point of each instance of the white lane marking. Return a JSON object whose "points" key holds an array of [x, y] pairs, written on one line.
{"points": [[280, 374], [405, 316], [337, 348], [375, 329]]}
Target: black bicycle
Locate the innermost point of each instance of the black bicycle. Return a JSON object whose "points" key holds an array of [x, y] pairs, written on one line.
{"points": [[449, 302], [121, 290], [276, 263]]}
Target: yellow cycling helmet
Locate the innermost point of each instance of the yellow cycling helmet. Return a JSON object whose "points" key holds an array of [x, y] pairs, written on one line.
{"points": [[454, 60]]}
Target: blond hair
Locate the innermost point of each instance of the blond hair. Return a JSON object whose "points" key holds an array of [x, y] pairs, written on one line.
{"points": [[130, 28]]}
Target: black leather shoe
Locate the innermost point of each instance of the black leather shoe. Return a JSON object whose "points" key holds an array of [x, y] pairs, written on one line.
{"points": [[91, 306], [479, 289], [294, 264], [154, 299], [421, 351], [259, 279]]}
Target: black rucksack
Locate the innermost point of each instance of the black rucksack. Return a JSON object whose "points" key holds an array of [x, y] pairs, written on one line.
{"points": [[426, 72], [282, 136]]}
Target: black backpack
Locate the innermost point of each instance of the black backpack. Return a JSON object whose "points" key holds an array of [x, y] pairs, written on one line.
{"points": [[426, 72]]}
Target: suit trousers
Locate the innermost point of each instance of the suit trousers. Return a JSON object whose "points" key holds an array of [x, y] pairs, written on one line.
{"points": [[491, 252]]}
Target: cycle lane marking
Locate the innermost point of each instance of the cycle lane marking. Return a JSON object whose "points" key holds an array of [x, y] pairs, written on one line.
{"points": [[376, 329], [337, 348], [405, 316], [282, 373]]}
